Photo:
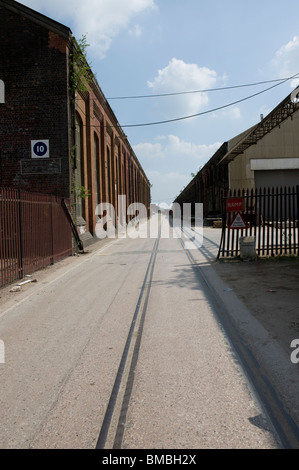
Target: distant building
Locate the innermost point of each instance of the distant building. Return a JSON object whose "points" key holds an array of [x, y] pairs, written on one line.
{"points": [[58, 134], [266, 155], [207, 185]]}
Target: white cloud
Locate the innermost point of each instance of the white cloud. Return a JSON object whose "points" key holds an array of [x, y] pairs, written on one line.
{"points": [[181, 148], [286, 60], [100, 20], [136, 31], [166, 184], [168, 177], [167, 152], [229, 113], [179, 76], [172, 147], [149, 150]]}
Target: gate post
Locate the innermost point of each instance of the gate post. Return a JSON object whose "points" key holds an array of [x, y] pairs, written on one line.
{"points": [[223, 215], [297, 217]]}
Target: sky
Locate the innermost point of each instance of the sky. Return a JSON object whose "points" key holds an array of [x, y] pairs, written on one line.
{"points": [[220, 64]]}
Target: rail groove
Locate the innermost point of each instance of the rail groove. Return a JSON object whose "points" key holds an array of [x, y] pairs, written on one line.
{"points": [[112, 430]]}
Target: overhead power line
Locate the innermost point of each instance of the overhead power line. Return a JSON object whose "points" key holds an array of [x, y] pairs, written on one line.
{"points": [[233, 87], [204, 112], [210, 110]]}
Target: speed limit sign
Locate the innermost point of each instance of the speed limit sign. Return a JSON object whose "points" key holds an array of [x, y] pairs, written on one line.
{"points": [[40, 149]]}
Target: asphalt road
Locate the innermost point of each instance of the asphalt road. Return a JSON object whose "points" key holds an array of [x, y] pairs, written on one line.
{"points": [[182, 385]]}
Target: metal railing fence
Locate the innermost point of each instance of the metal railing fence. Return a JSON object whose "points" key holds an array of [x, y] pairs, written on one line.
{"points": [[34, 233], [269, 214]]}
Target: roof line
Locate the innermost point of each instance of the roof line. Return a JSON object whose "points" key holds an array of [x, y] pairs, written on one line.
{"points": [[37, 17], [279, 114]]}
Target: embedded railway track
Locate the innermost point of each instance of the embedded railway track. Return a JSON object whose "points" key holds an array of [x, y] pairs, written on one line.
{"points": [[112, 429], [114, 422]]}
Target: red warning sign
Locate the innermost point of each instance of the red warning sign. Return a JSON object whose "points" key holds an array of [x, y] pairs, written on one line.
{"points": [[238, 222], [234, 204]]}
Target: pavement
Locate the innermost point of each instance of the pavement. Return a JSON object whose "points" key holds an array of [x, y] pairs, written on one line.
{"points": [[262, 298], [269, 288]]}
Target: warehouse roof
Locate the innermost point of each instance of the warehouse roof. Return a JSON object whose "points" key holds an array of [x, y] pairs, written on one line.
{"points": [[284, 110]]}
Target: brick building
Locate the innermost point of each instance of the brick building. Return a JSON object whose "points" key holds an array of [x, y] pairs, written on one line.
{"points": [[57, 137], [207, 185]]}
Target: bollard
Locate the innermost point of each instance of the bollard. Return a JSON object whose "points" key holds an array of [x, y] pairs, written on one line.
{"points": [[247, 248]]}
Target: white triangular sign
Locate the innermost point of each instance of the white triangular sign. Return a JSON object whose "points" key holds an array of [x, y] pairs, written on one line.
{"points": [[238, 222]]}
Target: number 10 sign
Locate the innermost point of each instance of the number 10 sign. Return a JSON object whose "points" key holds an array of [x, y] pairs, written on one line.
{"points": [[40, 149]]}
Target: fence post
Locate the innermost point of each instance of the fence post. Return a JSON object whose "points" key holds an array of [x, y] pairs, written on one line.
{"points": [[21, 260], [52, 229], [223, 215], [296, 218]]}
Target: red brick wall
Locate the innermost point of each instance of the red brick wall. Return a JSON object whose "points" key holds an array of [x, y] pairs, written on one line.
{"points": [[34, 61], [33, 66]]}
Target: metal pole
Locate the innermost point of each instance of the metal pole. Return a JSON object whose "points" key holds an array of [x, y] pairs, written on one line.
{"points": [[21, 263], [52, 229]]}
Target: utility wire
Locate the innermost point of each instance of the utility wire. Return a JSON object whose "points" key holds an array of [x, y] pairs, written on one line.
{"points": [[204, 112], [210, 110], [282, 80]]}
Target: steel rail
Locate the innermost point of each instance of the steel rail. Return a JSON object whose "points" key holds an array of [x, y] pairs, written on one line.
{"points": [[112, 429]]}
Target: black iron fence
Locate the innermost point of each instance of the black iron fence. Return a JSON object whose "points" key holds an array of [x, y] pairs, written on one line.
{"points": [[34, 233], [270, 215]]}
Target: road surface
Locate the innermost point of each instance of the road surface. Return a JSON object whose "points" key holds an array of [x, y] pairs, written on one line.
{"points": [[123, 348]]}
